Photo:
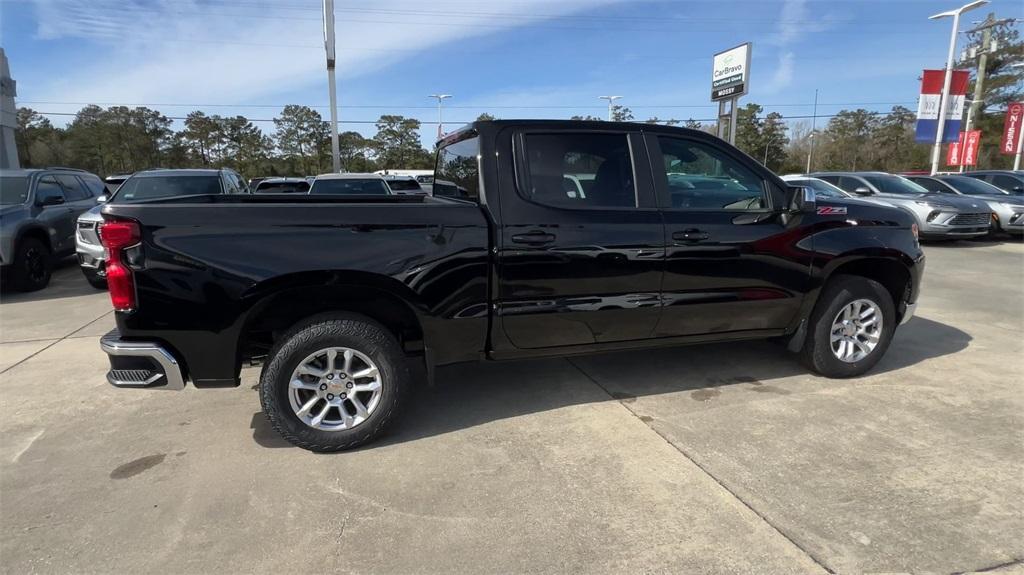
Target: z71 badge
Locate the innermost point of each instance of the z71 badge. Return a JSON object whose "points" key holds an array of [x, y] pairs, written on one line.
{"points": [[831, 211]]}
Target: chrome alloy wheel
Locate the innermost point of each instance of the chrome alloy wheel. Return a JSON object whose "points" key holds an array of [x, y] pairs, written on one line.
{"points": [[856, 330], [332, 397]]}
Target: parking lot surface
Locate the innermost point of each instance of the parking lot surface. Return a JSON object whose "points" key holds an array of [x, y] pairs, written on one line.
{"points": [[715, 458]]}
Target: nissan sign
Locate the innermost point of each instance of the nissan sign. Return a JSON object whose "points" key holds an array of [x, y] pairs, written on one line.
{"points": [[730, 74]]}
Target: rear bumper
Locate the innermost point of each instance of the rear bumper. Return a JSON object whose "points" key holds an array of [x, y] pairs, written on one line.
{"points": [[142, 364]]}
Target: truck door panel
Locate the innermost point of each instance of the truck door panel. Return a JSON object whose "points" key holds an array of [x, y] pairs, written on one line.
{"points": [[731, 262], [581, 242]]}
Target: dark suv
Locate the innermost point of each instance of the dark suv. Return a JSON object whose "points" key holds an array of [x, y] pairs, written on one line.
{"points": [[38, 209]]}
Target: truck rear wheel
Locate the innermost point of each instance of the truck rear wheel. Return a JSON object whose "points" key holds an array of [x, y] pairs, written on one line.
{"points": [[334, 383], [851, 327]]}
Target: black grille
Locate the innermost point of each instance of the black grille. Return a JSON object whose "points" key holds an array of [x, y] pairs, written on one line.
{"points": [[980, 219]]}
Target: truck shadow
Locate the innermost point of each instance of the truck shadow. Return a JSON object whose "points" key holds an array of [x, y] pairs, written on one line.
{"points": [[470, 395], [67, 281]]}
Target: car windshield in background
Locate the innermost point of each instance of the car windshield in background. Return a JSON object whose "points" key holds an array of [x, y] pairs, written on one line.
{"points": [[138, 189], [821, 188], [971, 186], [404, 185], [350, 187], [895, 185], [282, 188], [13, 190]]}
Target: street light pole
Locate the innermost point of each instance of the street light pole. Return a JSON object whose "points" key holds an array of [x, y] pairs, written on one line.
{"points": [[814, 121], [440, 124], [331, 88], [944, 98], [610, 99]]}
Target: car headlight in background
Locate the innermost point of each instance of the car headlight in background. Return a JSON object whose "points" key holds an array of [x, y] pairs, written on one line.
{"points": [[934, 214]]}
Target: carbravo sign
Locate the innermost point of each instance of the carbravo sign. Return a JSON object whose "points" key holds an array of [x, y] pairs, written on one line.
{"points": [[731, 73]]}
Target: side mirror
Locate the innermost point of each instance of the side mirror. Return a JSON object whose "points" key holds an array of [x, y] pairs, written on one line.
{"points": [[51, 201], [863, 191], [101, 199], [804, 201]]}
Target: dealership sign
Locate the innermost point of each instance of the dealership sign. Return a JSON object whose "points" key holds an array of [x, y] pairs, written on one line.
{"points": [[955, 149], [730, 73], [1011, 128], [928, 105], [964, 151]]}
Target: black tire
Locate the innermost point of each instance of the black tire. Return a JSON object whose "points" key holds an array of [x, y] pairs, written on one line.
{"points": [[334, 330], [32, 265], [95, 280], [840, 291]]}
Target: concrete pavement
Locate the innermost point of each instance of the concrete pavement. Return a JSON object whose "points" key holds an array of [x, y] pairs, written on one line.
{"points": [[718, 458]]}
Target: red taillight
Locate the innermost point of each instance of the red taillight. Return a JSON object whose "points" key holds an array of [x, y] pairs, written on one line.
{"points": [[116, 235]]}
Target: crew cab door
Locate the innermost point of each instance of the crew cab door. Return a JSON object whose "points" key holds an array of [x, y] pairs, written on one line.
{"points": [[581, 244], [733, 263]]}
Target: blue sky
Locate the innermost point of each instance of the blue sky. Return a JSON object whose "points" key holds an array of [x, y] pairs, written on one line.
{"points": [[525, 58]]}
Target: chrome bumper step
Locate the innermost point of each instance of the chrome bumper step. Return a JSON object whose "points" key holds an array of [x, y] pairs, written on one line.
{"points": [[141, 364]]}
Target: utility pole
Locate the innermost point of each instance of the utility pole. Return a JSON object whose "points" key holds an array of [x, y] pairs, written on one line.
{"points": [[610, 99], [440, 124], [985, 27], [814, 118], [331, 87], [944, 98]]}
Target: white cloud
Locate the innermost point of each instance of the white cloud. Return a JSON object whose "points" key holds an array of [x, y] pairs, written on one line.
{"points": [[168, 51], [781, 76]]}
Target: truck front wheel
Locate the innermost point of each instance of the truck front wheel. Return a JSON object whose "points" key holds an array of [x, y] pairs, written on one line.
{"points": [[334, 383], [851, 327]]}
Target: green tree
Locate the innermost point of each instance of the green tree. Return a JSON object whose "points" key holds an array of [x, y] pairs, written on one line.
{"points": [[202, 136], [762, 138], [398, 143], [621, 114], [246, 148], [299, 132], [845, 143], [485, 116], [38, 142], [356, 152]]}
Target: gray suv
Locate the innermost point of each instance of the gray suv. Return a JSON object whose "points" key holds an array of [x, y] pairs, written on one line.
{"points": [[38, 209], [939, 216], [141, 186]]}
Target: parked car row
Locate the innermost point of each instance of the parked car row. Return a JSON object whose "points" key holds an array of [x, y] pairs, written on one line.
{"points": [[944, 206]]}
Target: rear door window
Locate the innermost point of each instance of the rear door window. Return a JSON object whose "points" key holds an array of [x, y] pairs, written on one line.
{"points": [[1006, 182], [457, 172], [579, 171], [48, 188], [74, 190], [932, 185]]}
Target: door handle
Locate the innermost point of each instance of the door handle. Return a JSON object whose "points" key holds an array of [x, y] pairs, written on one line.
{"points": [[690, 236], [534, 238]]}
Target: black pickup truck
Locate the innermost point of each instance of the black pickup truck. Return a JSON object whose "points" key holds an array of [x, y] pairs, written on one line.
{"points": [[541, 238]]}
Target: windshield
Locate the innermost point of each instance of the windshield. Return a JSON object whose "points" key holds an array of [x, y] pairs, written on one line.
{"points": [[139, 188], [350, 187], [265, 187], [894, 185], [822, 189], [970, 186], [403, 185], [13, 190]]}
